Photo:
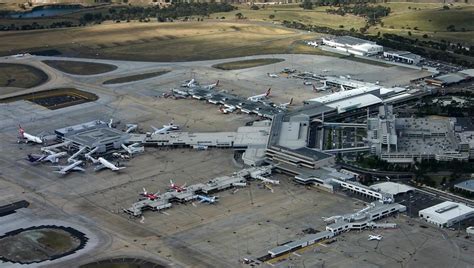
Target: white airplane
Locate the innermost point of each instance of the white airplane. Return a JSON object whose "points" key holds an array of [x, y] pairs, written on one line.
{"points": [[267, 180], [131, 127], [375, 237], [272, 75], [260, 96], [28, 137], [52, 157], [320, 88], [103, 163], [133, 148], [285, 105], [191, 83], [170, 127], [226, 110], [212, 86], [208, 199], [71, 167]]}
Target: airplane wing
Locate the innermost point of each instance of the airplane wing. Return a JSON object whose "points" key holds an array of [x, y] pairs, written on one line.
{"points": [[78, 169], [99, 167]]}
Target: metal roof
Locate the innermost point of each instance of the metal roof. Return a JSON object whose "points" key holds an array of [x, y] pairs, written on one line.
{"points": [[466, 185]]}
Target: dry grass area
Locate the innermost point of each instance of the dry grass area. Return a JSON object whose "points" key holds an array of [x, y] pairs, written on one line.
{"points": [[158, 41], [21, 76], [243, 64], [79, 67], [317, 16]]}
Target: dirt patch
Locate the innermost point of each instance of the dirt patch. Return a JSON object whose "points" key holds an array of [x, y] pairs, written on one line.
{"points": [[55, 98], [80, 67], [21, 76], [243, 64], [133, 78], [40, 243]]}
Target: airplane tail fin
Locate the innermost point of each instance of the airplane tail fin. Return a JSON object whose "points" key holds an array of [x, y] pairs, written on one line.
{"points": [[144, 191], [21, 131], [268, 92]]}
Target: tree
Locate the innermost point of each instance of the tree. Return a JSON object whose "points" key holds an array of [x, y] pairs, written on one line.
{"points": [[307, 4], [254, 7], [239, 16], [409, 33], [271, 16]]}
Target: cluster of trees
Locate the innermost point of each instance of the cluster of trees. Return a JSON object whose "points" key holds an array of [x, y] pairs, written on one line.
{"points": [[372, 13], [454, 109], [343, 2], [128, 13], [168, 13], [36, 26]]}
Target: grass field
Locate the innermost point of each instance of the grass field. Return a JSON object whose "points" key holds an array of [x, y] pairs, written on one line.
{"points": [[317, 16], [158, 41], [21, 76], [80, 68], [133, 78], [243, 64], [430, 19]]}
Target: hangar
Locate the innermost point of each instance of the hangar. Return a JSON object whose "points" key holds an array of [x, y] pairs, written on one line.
{"points": [[446, 214]]}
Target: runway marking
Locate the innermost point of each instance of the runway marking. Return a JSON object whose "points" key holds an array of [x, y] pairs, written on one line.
{"points": [[166, 213], [296, 254]]}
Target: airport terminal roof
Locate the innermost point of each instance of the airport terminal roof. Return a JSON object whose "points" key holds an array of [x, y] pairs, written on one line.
{"points": [[344, 94], [359, 101], [466, 185], [309, 239], [450, 78], [350, 40], [447, 211], [392, 187], [468, 72]]}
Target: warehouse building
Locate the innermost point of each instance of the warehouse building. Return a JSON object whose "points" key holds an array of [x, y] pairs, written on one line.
{"points": [[466, 186], [446, 214], [402, 56], [353, 45]]}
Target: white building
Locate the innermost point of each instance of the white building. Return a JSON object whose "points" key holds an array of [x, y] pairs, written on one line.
{"points": [[353, 45], [446, 214]]}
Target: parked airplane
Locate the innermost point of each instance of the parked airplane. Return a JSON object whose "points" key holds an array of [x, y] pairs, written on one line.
{"points": [[272, 75], [211, 86], [226, 110], [28, 137], [131, 127], [177, 188], [208, 199], [190, 83], [103, 163], [320, 88], [170, 127], [260, 96], [52, 157], [375, 237], [63, 170], [285, 105], [150, 196], [133, 148], [267, 180], [307, 83]]}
